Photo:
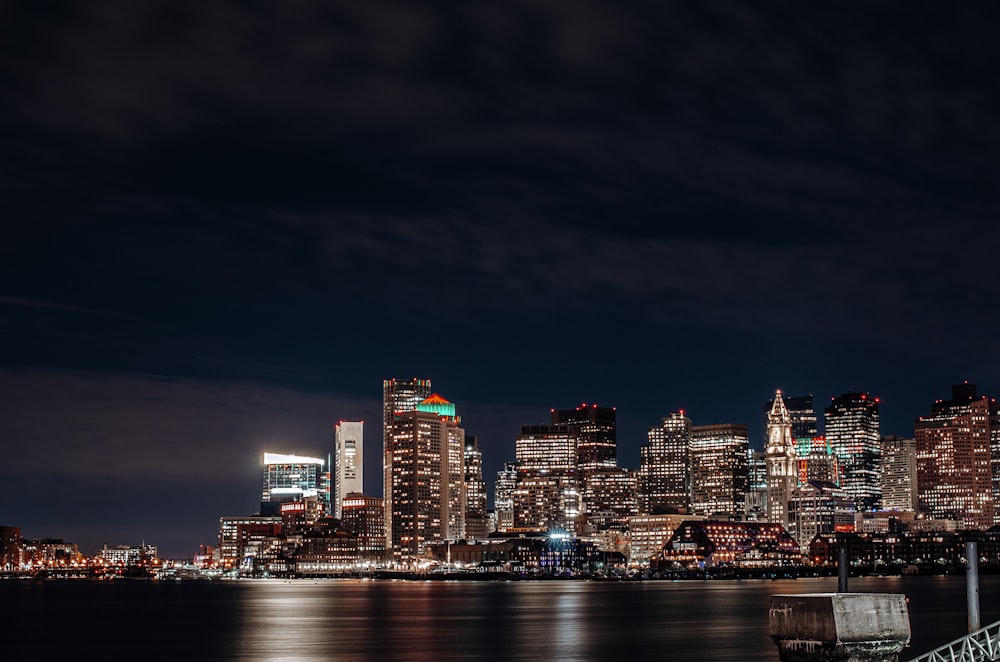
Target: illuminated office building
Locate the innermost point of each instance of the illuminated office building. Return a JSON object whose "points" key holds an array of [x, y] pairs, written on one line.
{"points": [[611, 497], [756, 500], [426, 478], [547, 491], [476, 519], [665, 473], [364, 517], [782, 469], [348, 462], [954, 475], [596, 434], [816, 460], [293, 478], [398, 396], [899, 473], [719, 471], [503, 496], [852, 428], [818, 506]]}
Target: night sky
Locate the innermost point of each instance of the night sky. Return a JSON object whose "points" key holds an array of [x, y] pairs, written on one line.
{"points": [[223, 228]]}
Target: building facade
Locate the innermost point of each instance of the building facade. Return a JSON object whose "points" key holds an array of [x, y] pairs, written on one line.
{"points": [[719, 470], [476, 518], [596, 434], [10, 548], [852, 428], [665, 472], [427, 477], [547, 492], [293, 478], [348, 462], [364, 517], [954, 468], [899, 473], [398, 396], [503, 496], [816, 507]]}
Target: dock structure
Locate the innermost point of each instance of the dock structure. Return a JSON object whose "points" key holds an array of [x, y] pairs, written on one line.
{"points": [[979, 646], [839, 627]]}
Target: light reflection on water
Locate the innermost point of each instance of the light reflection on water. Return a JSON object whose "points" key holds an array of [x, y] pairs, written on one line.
{"points": [[420, 621]]}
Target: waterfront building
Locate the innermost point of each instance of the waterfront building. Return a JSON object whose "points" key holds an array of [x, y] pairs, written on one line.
{"points": [[398, 396], [649, 533], [348, 462], [665, 473], [237, 533], [595, 429], [476, 520], [954, 473], [719, 471], [782, 469], [503, 496], [899, 473], [293, 478], [928, 552], [364, 517], [756, 497], [710, 543], [426, 478], [10, 548], [818, 506], [852, 429], [127, 555]]}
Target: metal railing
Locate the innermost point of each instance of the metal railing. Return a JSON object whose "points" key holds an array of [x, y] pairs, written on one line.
{"points": [[980, 646]]}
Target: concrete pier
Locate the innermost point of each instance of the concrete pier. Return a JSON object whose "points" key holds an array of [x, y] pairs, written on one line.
{"points": [[841, 627]]}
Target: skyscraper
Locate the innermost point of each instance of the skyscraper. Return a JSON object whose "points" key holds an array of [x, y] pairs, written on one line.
{"points": [[596, 437], [756, 503], [426, 478], [665, 473], [954, 475], [719, 471], [547, 491], [503, 496], [476, 520], [899, 473], [398, 395], [782, 471], [348, 462], [852, 429]]}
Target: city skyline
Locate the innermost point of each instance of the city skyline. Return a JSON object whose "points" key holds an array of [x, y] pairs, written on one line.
{"points": [[224, 227]]}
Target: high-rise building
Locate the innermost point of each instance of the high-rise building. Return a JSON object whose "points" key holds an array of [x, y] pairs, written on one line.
{"points": [[596, 437], [612, 498], [348, 462], [852, 428], [782, 469], [294, 478], [899, 473], [398, 396], [665, 473], [547, 493], [954, 473], [503, 496], [756, 500], [427, 477], [719, 471], [476, 519]]}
